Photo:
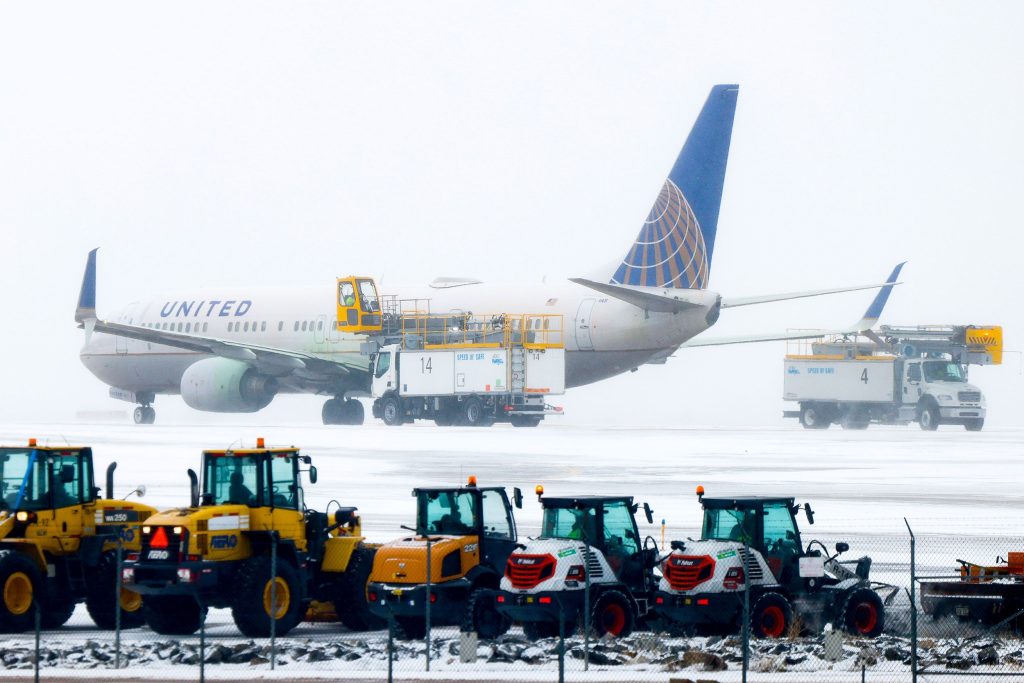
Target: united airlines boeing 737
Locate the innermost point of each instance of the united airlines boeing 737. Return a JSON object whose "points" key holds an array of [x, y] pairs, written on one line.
{"points": [[234, 351]]}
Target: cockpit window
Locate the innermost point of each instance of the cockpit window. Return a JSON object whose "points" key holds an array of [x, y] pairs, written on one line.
{"points": [[944, 371]]}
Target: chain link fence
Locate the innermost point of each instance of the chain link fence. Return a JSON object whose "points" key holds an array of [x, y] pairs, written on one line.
{"points": [[953, 610]]}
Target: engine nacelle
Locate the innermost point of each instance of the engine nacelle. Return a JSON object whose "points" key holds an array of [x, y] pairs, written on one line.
{"points": [[222, 385]]}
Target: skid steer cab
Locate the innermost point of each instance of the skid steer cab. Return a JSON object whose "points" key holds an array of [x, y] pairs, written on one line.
{"points": [[247, 542], [462, 540], [589, 555], [59, 541], [754, 544]]}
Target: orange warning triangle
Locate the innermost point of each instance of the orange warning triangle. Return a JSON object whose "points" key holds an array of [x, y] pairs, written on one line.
{"points": [[159, 539]]}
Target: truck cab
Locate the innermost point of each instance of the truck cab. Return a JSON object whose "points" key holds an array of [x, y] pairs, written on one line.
{"points": [[938, 391]]}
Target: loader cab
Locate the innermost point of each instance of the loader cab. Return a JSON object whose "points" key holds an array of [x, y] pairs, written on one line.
{"points": [[484, 512], [36, 479], [358, 305], [768, 525], [607, 524], [254, 478]]}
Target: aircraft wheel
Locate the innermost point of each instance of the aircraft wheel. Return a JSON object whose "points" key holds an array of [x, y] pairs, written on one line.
{"points": [[332, 412], [144, 415], [353, 412]]}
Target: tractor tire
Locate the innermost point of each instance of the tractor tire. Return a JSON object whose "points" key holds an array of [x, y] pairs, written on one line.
{"points": [[472, 412], [814, 417], [410, 628], [928, 417], [864, 614], [350, 594], [99, 597], [173, 615], [391, 411], [483, 617], [612, 615], [771, 616], [57, 613], [974, 425], [252, 608], [20, 583], [535, 630]]}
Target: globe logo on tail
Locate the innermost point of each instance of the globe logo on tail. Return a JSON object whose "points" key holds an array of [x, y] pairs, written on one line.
{"points": [[670, 249]]}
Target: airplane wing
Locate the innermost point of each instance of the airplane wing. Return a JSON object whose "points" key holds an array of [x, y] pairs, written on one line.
{"points": [[867, 321], [268, 359]]}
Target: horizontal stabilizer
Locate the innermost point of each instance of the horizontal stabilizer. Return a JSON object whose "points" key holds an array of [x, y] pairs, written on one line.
{"points": [[657, 299]]}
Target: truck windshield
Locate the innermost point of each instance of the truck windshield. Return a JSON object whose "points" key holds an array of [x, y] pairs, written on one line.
{"points": [[232, 479], [944, 371], [575, 524], [729, 525], [447, 512]]}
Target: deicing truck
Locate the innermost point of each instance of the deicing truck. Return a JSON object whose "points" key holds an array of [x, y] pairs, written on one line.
{"points": [[898, 375], [498, 370]]}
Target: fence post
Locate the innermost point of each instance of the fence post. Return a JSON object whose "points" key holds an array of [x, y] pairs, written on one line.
{"points": [[913, 603], [117, 603], [38, 628], [586, 604], [273, 600], [202, 642], [391, 645], [746, 610], [561, 642], [426, 600]]}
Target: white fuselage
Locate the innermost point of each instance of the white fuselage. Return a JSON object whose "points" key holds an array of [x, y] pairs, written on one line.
{"points": [[603, 336]]}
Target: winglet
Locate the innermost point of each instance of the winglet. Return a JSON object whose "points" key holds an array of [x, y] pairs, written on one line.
{"points": [[874, 311], [86, 309]]}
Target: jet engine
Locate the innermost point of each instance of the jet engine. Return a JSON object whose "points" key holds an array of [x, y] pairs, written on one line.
{"points": [[222, 385]]}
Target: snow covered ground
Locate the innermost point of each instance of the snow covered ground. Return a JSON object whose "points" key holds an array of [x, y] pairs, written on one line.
{"points": [[960, 491]]}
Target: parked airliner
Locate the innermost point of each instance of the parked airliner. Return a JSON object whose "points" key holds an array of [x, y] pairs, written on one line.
{"points": [[235, 350]]}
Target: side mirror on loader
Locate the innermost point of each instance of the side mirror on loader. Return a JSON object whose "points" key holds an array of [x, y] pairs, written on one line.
{"points": [[312, 474], [809, 512], [842, 547], [517, 497], [649, 512]]}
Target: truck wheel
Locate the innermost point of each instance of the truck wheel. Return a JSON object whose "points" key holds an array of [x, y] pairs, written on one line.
{"points": [[524, 420], [771, 616], [410, 628], [928, 417], [974, 425], [612, 615], [350, 595], [864, 613], [99, 597], [813, 417], [20, 582], [483, 617], [173, 615], [252, 607], [473, 412], [391, 411]]}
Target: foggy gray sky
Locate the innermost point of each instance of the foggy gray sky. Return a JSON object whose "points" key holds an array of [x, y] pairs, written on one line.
{"points": [[205, 144]]}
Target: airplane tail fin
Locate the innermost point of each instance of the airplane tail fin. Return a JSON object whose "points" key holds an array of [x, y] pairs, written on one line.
{"points": [[675, 245], [86, 308], [874, 311]]}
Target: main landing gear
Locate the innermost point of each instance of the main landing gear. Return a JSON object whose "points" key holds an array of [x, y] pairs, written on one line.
{"points": [[339, 411], [144, 415]]}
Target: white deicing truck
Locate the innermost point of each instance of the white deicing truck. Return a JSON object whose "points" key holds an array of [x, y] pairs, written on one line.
{"points": [[897, 375], [484, 369]]}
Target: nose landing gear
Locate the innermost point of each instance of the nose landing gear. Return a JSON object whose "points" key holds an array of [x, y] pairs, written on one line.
{"points": [[144, 415]]}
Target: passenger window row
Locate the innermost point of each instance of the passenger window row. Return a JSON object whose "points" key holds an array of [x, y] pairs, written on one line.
{"points": [[235, 326]]}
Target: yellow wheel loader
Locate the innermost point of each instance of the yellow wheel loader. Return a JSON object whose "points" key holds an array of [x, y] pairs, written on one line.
{"points": [[249, 543], [59, 540]]}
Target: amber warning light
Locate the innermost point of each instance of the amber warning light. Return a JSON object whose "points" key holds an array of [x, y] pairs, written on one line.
{"points": [[472, 480], [259, 442], [700, 491], [31, 443]]}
